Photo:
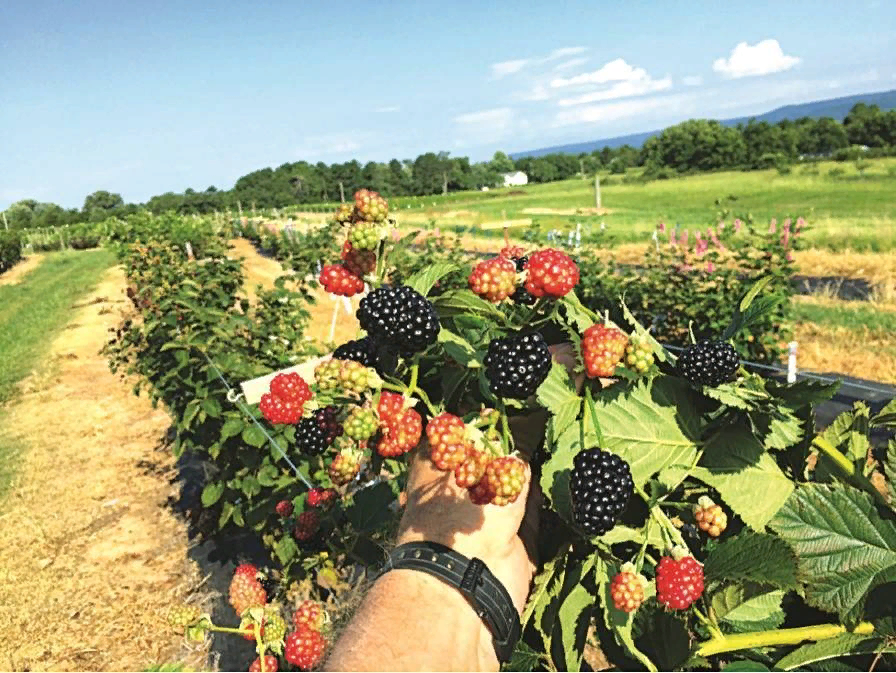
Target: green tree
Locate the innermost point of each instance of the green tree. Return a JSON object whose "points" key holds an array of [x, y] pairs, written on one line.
{"points": [[102, 203], [501, 163]]}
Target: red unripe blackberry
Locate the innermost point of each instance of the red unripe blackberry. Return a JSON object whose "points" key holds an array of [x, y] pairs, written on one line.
{"points": [[338, 280], [516, 365], [601, 485], [709, 363], [470, 472], [271, 664], [505, 478], [307, 525], [322, 497], [494, 279], [310, 614], [305, 648], [284, 509], [400, 317], [627, 589], [551, 273], [602, 349], [448, 446], [358, 262], [679, 581]]}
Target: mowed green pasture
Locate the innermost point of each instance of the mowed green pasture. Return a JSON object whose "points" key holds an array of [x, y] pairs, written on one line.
{"points": [[844, 208], [32, 314]]}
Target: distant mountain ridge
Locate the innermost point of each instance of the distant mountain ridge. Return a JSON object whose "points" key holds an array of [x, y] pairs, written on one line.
{"points": [[831, 107]]}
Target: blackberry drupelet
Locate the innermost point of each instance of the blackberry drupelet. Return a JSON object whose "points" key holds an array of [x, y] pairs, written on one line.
{"points": [[709, 363], [359, 350], [520, 263], [270, 586], [400, 317], [515, 366], [600, 485], [315, 433]]}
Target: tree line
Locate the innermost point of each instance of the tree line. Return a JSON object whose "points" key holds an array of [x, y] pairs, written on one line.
{"points": [[691, 146]]}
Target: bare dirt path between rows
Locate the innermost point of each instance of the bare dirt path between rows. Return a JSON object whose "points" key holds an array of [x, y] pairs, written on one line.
{"points": [[91, 554], [14, 275]]}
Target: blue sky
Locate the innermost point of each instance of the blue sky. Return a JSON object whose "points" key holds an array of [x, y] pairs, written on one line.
{"points": [[145, 97]]}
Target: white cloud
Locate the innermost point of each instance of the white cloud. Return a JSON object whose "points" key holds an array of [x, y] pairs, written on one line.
{"points": [[538, 92], [388, 108], [571, 63], [692, 80], [616, 70], [564, 52], [327, 144], [762, 58], [500, 116], [505, 68], [609, 112], [620, 90]]}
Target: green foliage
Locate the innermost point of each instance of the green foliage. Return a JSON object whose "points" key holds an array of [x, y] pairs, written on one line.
{"points": [[10, 249]]}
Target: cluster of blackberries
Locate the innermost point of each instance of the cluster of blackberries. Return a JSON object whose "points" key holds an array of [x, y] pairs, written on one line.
{"points": [[516, 365], [709, 363], [399, 317], [600, 484], [315, 433]]}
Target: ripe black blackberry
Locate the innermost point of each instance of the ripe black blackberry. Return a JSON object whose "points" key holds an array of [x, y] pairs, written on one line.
{"points": [[522, 296], [399, 317], [315, 433], [360, 350], [270, 586], [709, 363], [516, 365], [600, 485]]}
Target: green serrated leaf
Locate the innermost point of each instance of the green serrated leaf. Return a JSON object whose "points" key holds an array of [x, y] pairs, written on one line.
{"points": [[286, 549], [231, 428], [845, 644], [574, 616], [253, 436], [745, 666], [541, 592], [783, 429], [459, 349], [576, 312], [556, 470], [652, 426], [267, 475], [753, 557], [211, 407], [456, 302], [558, 395], [424, 281], [886, 417], [758, 613], [747, 478], [524, 658], [843, 546], [890, 470], [802, 393], [212, 493]]}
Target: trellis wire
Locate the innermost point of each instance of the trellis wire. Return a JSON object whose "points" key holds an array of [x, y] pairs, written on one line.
{"points": [[234, 397]]}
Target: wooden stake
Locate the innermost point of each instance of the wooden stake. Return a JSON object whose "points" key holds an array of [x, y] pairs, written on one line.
{"points": [[341, 192], [597, 190], [5, 222]]}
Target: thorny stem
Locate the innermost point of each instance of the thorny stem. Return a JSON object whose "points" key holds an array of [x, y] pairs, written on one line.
{"points": [[639, 562], [745, 641], [505, 429], [849, 469]]}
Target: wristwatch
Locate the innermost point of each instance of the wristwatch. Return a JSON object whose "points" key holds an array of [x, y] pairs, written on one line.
{"points": [[473, 579]]}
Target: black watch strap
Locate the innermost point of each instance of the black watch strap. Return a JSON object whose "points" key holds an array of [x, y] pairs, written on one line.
{"points": [[473, 579]]}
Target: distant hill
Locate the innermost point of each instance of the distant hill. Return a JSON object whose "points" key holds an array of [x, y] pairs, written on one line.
{"points": [[832, 107]]}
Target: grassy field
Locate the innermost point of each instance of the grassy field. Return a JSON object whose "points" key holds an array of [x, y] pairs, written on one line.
{"points": [[845, 209], [33, 312]]}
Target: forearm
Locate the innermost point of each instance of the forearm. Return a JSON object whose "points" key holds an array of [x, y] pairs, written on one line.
{"points": [[411, 621]]}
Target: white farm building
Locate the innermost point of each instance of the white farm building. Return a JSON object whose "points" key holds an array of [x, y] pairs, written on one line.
{"points": [[515, 179]]}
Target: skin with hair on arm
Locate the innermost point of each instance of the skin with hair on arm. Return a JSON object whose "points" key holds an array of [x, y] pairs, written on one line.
{"points": [[412, 621]]}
